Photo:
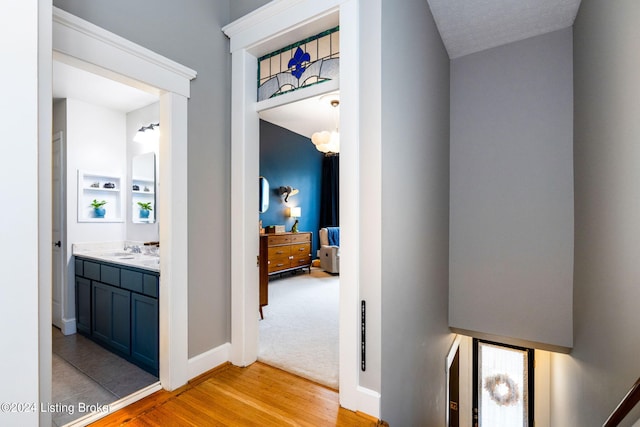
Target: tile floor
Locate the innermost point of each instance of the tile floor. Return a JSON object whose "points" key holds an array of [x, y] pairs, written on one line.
{"points": [[85, 373]]}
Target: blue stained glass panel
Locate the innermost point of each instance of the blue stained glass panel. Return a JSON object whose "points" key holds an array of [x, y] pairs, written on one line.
{"points": [[302, 64]]}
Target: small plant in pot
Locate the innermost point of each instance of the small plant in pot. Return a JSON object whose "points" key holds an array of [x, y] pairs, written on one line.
{"points": [[98, 209], [145, 207]]}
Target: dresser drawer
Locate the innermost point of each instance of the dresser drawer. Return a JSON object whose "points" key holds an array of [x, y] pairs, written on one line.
{"points": [[301, 261], [277, 264], [301, 249], [279, 251], [300, 238], [300, 255], [285, 239]]}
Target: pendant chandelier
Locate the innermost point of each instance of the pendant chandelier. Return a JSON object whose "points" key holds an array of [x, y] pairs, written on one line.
{"points": [[329, 141]]}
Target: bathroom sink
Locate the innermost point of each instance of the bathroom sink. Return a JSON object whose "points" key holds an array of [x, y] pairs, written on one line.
{"points": [[119, 254], [151, 262]]}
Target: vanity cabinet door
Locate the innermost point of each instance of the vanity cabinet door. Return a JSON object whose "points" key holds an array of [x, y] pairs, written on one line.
{"points": [[144, 330], [83, 305], [112, 316]]}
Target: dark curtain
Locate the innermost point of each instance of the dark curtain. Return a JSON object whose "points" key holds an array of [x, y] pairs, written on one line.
{"points": [[330, 192]]}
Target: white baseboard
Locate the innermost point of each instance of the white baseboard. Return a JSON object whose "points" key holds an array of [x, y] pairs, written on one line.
{"points": [[68, 326], [208, 360], [105, 410], [368, 402]]}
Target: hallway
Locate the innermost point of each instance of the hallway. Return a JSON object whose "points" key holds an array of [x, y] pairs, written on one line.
{"points": [[233, 396]]}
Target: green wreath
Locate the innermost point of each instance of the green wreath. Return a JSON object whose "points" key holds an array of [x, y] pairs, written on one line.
{"points": [[494, 383]]}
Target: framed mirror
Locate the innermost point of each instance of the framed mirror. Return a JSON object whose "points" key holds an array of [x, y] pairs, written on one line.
{"points": [[264, 194], [143, 188]]}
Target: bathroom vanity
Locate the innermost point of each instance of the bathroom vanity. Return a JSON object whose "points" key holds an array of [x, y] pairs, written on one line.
{"points": [[117, 303]]}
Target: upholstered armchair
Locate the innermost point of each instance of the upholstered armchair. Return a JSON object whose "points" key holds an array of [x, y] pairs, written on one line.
{"points": [[330, 249]]}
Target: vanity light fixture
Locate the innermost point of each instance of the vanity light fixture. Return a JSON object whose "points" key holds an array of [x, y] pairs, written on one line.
{"points": [[147, 133], [325, 141], [288, 191]]}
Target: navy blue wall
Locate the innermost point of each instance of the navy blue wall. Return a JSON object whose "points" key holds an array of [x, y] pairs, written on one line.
{"points": [[287, 158]]}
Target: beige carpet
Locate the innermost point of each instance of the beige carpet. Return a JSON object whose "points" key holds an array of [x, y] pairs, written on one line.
{"points": [[299, 333]]}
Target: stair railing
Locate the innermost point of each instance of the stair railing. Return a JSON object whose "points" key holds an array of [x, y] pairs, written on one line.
{"points": [[625, 406]]}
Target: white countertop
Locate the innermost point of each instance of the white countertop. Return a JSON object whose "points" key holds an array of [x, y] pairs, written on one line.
{"points": [[114, 252]]}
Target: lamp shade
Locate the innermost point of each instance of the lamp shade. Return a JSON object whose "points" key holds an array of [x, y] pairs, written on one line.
{"points": [[295, 212]]}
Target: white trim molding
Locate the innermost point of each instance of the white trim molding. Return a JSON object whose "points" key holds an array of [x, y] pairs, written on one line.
{"points": [[118, 55], [209, 360], [112, 407], [68, 326], [94, 49], [272, 26]]}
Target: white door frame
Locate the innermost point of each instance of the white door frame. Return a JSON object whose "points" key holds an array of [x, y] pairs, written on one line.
{"points": [[87, 46], [249, 36]]}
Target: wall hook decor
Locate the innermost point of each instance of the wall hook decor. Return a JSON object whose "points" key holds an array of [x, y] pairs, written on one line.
{"points": [[288, 191]]}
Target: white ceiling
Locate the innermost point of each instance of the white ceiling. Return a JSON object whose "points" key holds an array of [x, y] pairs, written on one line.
{"points": [[74, 83], [307, 116], [468, 26]]}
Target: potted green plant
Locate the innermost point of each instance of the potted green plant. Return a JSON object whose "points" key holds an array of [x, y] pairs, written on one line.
{"points": [[98, 209], [145, 207]]}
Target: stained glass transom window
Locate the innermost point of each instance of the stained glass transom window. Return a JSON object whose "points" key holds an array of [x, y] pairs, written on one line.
{"points": [[305, 63]]}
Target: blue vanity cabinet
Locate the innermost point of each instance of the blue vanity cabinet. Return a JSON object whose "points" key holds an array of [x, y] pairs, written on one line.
{"points": [[144, 330], [117, 307], [112, 317], [83, 305]]}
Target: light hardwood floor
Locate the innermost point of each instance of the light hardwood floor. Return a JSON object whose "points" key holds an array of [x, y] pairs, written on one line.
{"points": [[258, 395]]}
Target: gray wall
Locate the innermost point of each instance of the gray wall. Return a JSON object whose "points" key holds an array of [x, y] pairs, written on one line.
{"points": [[189, 32], [512, 190], [588, 383], [415, 215], [239, 8]]}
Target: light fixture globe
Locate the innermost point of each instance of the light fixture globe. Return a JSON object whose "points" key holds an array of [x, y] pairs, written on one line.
{"points": [[321, 138], [325, 141]]}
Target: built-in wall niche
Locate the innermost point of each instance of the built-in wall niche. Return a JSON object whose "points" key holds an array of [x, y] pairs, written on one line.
{"points": [[143, 188], [101, 187]]}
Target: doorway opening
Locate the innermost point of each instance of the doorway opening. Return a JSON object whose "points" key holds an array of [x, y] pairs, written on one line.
{"points": [[251, 37], [91, 115], [299, 331], [101, 52]]}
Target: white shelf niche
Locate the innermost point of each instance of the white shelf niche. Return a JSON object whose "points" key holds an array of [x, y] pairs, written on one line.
{"points": [[91, 185]]}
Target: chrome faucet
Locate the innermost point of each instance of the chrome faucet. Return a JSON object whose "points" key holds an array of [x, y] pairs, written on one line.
{"points": [[134, 249]]}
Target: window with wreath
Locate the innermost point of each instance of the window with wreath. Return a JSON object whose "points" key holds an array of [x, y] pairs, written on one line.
{"points": [[503, 385]]}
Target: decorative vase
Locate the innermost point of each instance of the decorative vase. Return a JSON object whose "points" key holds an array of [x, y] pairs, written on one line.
{"points": [[99, 212], [144, 213], [294, 228]]}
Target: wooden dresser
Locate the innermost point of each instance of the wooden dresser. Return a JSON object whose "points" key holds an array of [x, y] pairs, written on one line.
{"points": [[279, 253]]}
